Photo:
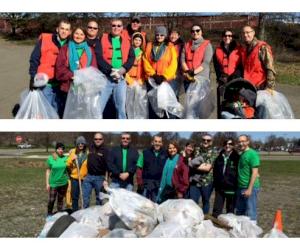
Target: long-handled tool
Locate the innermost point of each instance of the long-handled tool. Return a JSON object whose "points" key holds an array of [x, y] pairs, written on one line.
{"points": [[79, 180]]}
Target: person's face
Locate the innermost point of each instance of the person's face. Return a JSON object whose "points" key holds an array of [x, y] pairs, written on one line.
{"points": [[174, 37], [80, 146], [227, 38], [60, 151], [206, 141], [125, 140], [92, 30], [243, 143], [137, 42], [172, 150], [135, 25], [157, 143], [189, 149], [196, 32], [98, 139], [248, 34], [78, 36], [160, 38], [116, 28], [63, 30], [229, 146]]}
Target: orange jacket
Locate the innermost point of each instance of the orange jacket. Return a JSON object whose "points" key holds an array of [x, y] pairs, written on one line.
{"points": [[253, 68], [194, 59], [136, 73], [49, 53], [71, 165]]}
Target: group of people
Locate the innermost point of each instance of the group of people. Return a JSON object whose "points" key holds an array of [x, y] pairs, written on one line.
{"points": [[159, 173], [126, 57]]}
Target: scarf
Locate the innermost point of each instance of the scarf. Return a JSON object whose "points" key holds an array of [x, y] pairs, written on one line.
{"points": [[167, 174], [197, 43], [158, 51], [73, 54]]}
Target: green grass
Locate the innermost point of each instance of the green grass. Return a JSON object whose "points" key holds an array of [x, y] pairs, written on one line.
{"points": [[288, 73], [280, 168]]}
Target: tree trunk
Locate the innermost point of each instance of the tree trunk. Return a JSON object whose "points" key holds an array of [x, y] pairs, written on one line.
{"points": [[261, 26]]}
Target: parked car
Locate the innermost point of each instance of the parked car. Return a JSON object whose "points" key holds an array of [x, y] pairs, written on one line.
{"points": [[24, 145]]}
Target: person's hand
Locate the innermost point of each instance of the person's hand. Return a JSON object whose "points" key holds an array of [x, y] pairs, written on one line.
{"points": [[124, 176], [247, 193], [54, 155], [48, 187], [179, 195], [191, 72], [74, 157], [121, 71], [105, 184], [115, 75], [188, 77], [270, 90]]}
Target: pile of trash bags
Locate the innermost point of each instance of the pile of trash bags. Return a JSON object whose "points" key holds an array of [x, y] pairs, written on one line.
{"points": [[130, 215], [137, 101], [83, 101], [275, 105], [33, 104]]}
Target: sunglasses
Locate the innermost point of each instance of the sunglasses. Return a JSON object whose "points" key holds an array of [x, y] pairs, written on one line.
{"points": [[229, 143], [227, 36], [116, 25], [98, 139], [160, 35], [135, 21], [206, 140], [126, 138], [195, 31], [92, 28]]}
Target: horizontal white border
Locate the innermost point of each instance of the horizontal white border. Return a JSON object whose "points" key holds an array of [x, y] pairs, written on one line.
{"points": [[148, 125]]}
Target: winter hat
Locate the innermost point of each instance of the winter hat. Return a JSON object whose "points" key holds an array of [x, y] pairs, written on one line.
{"points": [[80, 140], [59, 145], [249, 95], [161, 30]]}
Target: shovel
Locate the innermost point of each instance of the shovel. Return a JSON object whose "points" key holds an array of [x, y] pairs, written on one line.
{"points": [[79, 180]]}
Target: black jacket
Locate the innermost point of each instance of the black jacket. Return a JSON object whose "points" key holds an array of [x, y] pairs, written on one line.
{"points": [[228, 180], [97, 160], [115, 164]]}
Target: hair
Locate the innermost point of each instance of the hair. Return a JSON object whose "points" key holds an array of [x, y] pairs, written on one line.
{"points": [[227, 30], [139, 35], [227, 140], [76, 28], [83, 150], [207, 134], [116, 19], [174, 30], [199, 25], [249, 27], [247, 136], [176, 145], [63, 21], [98, 133], [190, 143], [125, 133], [92, 20], [159, 136]]}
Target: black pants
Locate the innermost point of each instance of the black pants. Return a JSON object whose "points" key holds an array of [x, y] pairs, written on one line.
{"points": [[60, 193], [220, 198]]}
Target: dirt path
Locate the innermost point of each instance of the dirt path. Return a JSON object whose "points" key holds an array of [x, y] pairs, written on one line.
{"points": [[14, 77]]}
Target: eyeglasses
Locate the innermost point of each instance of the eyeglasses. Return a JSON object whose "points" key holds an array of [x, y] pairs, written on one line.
{"points": [[206, 140], [116, 25], [229, 143], [92, 28], [247, 32], [135, 21], [242, 141], [227, 36], [125, 138], [195, 31], [98, 139]]}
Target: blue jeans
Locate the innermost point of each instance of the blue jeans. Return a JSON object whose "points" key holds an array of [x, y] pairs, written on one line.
{"points": [[56, 98], [128, 187], [174, 84], [91, 182], [247, 206], [150, 194], [204, 192], [75, 194], [119, 94]]}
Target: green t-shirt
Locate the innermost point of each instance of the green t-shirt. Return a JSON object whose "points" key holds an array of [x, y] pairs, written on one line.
{"points": [[79, 52], [124, 154], [116, 61], [58, 174], [140, 161], [248, 160]]}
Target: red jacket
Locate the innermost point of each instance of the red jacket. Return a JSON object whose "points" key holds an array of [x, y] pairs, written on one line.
{"points": [[62, 69], [180, 178]]}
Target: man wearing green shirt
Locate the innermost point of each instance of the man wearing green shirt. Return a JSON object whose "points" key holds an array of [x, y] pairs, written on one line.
{"points": [[248, 179]]}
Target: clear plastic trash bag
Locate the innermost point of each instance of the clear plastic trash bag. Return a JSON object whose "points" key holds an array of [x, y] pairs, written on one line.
{"points": [[40, 80], [120, 233], [163, 99], [35, 106], [184, 212], [83, 101], [199, 101], [276, 106], [275, 233], [136, 101], [242, 226], [206, 229], [79, 230], [49, 223], [171, 229], [137, 212]]}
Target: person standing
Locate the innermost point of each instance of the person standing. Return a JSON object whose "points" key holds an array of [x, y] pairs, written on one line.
{"points": [[122, 163], [201, 173], [56, 178], [225, 178], [92, 33], [77, 167], [115, 57], [96, 170], [43, 59], [248, 180], [150, 167], [258, 62]]}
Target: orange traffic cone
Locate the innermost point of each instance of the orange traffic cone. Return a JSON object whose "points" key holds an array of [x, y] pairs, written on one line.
{"points": [[278, 220]]}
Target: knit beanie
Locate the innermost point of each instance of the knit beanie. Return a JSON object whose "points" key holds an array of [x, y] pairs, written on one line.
{"points": [[161, 30], [80, 140]]}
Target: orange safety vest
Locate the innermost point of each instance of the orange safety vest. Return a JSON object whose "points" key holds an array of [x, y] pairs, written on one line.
{"points": [[83, 60], [126, 36], [137, 70], [228, 64], [253, 68], [107, 48], [163, 62], [194, 59], [49, 53]]}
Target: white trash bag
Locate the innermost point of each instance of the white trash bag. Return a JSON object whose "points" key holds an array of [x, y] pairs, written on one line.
{"points": [[35, 106], [83, 101], [199, 103], [206, 229], [276, 106], [184, 212], [40, 80], [78, 230], [49, 223], [137, 212], [171, 229], [163, 99], [136, 101], [242, 226], [275, 233], [120, 233]]}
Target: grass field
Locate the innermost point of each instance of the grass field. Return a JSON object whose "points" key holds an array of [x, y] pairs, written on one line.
{"points": [[23, 197]]}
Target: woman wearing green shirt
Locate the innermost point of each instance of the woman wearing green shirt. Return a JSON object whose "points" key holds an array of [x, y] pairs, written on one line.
{"points": [[56, 178]]}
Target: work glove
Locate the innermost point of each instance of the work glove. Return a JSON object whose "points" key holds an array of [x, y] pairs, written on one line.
{"points": [[191, 73], [115, 75], [158, 79], [31, 84]]}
